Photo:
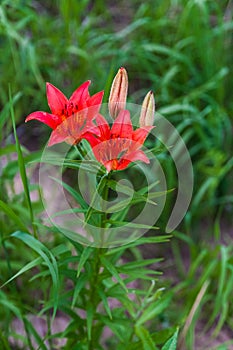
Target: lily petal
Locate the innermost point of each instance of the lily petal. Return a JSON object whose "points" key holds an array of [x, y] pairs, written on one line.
{"points": [[123, 163], [56, 99], [132, 157], [94, 104], [57, 137], [103, 127], [139, 135], [91, 138], [91, 128], [122, 126], [49, 119], [95, 99], [80, 95]]}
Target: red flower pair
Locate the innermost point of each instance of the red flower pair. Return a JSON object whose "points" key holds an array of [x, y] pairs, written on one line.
{"points": [[78, 118]]}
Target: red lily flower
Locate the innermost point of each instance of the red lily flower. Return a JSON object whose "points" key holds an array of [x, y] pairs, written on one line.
{"points": [[80, 106], [120, 145]]}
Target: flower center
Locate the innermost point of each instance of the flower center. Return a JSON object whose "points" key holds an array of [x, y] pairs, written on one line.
{"points": [[114, 164], [113, 149], [69, 109]]}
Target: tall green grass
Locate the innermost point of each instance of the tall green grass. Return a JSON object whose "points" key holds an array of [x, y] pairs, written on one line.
{"points": [[181, 50]]}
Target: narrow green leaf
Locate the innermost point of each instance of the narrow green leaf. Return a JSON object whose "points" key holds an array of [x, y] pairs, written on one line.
{"points": [[48, 258], [99, 189], [22, 168], [87, 165], [222, 278], [160, 337], [4, 343], [80, 284], [34, 333], [72, 191], [105, 302], [223, 316], [120, 187], [137, 264], [171, 344], [90, 316], [9, 305], [68, 211], [84, 257], [139, 241], [121, 214], [24, 269], [135, 200], [11, 214], [154, 309], [133, 225], [144, 335], [5, 111], [7, 150], [119, 326], [153, 195], [12, 167], [146, 189], [108, 265]]}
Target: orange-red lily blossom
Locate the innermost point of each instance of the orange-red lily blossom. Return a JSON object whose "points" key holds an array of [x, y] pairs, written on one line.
{"points": [[120, 145], [80, 107]]}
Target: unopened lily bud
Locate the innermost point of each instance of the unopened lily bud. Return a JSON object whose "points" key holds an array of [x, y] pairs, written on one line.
{"points": [[118, 93], [147, 111]]}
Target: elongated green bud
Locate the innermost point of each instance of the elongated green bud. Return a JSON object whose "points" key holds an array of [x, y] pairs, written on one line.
{"points": [[148, 110], [118, 93]]}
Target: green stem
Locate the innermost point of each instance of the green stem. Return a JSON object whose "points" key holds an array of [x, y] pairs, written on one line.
{"points": [[93, 296], [79, 151], [105, 214], [90, 209], [79, 148]]}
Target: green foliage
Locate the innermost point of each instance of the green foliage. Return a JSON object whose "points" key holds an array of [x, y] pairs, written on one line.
{"points": [[183, 49], [171, 343]]}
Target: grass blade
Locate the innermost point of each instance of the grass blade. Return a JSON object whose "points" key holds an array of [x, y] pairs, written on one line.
{"points": [[48, 258], [22, 168]]}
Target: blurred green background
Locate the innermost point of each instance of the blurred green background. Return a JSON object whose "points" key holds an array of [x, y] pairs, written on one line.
{"points": [[182, 50]]}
